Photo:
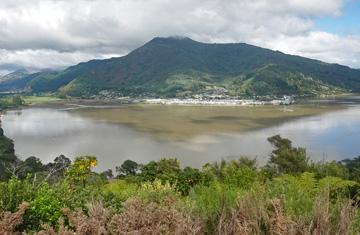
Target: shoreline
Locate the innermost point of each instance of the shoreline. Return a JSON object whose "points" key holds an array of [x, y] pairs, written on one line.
{"points": [[125, 101]]}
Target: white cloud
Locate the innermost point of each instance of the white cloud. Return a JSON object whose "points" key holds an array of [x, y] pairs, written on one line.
{"points": [[44, 33], [45, 58], [323, 46]]}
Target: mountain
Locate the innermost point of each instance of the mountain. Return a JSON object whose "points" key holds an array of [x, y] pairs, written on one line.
{"points": [[16, 80], [181, 66], [19, 80]]}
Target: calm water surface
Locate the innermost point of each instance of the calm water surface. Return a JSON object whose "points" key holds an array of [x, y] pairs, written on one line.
{"points": [[194, 135]]}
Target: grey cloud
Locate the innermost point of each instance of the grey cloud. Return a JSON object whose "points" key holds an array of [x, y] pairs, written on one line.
{"points": [[45, 33]]}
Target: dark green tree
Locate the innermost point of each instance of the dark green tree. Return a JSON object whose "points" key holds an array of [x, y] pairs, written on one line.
{"points": [[108, 174], [166, 170], [56, 170], [128, 167], [353, 166], [60, 162], [17, 101], [186, 179], [7, 156], [333, 168], [286, 159], [34, 164]]}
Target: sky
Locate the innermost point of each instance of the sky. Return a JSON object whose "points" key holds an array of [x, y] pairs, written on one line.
{"points": [[40, 34]]}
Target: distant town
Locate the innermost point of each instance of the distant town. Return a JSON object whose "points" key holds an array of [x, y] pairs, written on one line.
{"points": [[286, 100]]}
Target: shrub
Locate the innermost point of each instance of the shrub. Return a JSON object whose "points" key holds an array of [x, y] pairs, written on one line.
{"points": [[333, 168], [210, 201], [242, 177], [14, 192], [187, 179], [148, 218], [165, 170], [138, 217], [80, 169], [156, 191], [9, 222], [298, 193], [44, 208], [118, 191]]}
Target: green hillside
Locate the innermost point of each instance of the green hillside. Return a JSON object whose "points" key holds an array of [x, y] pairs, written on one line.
{"points": [[16, 80], [180, 66]]}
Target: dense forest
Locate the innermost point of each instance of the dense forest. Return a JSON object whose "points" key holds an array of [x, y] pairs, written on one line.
{"points": [[182, 67], [288, 195]]}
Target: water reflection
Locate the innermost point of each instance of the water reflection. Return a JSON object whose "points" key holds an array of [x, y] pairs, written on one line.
{"points": [[47, 133]]}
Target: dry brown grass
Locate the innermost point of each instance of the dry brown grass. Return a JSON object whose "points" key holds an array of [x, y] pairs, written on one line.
{"points": [[252, 215], [10, 221], [256, 216], [138, 217], [149, 218]]}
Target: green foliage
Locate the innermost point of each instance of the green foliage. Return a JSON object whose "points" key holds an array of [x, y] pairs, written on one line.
{"points": [[353, 165], [239, 177], [45, 208], [17, 101], [58, 168], [31, 165], [237, 173], [80, 169], [286, 159], [210, 201], [46, 201], [156, 191], [187, 179], [118, 191], [168, 171], [16, 80], [108, 174], [333, 168], [165, 170], [299, 193], [128, 167], [10, 101], [14, 192], [7, 155], [179, 67], [236, 192]]}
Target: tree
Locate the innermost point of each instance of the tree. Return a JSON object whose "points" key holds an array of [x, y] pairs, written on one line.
{"points": [[17, 101], [353, 165], [285, 158], [80, 169], [128, 167], [56, 169], [7, 156], [33, 164], [165, 170], [60, 163], [186, 179], [333, 168], [108, 174]]}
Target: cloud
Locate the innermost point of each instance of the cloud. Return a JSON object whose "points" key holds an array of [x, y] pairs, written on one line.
{"points": [[58, 33], [45, 58], [323, 46]]}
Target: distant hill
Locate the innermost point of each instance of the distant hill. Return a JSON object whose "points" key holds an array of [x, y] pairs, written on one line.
{"points": [[181, 66], [19, 80], [14, 81]]}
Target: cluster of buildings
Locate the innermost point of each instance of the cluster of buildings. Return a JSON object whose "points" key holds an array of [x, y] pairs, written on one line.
{"points": [[218, 96], [286, 100]]}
